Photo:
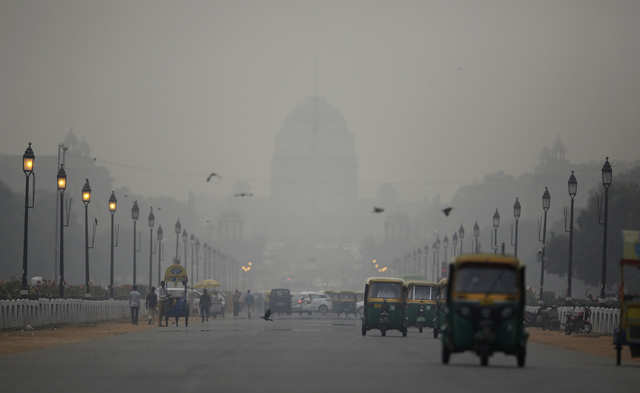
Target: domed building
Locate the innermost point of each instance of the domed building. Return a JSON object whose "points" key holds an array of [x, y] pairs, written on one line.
{"points": [[314, 166]]}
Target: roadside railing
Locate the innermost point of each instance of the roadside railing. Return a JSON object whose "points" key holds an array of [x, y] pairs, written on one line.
{"points": [[22, 312], [603, 320]]}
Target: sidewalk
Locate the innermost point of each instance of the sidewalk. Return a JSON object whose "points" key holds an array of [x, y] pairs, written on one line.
{"points": [[21, 341], [592, 344]]}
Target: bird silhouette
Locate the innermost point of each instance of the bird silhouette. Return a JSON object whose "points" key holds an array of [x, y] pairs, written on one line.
{"points": [[267, 315], [378, 210], [447, 211], [211, 176]]}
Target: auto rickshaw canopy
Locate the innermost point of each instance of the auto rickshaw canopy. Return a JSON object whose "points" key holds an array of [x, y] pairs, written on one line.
{"points": [[487, 258], [175, 273], [384, 279]]}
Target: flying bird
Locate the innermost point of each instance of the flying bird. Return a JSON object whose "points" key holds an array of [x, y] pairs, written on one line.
{"points": [[447, 211], [243, 194], [267, 315], [211, 176], [378, 210]]}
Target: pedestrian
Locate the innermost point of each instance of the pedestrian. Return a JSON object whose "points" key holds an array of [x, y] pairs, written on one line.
{"points": [[236, 303], [163, 300], [151, 302], [134, 304], [248, 300], [205, 303]]}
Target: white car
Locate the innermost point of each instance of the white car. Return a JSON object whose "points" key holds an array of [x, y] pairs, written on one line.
{"points": [[310, 302]]}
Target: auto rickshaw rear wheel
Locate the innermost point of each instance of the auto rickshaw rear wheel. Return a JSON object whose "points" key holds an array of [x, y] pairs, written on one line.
{"points": [[364, 329], [446, 354], [521, 356], [383, 332], [618, 355], [484, 360], [435, 333], [420, 329], [404, 332]]}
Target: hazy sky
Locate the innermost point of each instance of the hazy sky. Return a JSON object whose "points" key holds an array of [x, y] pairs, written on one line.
{"points": [[436, 93]]}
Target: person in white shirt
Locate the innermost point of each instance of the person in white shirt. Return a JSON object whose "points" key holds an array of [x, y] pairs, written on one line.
{"points": [[134, 304]]}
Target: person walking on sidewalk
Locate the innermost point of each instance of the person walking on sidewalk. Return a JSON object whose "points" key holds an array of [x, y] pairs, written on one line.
{"points": [[163, 300], [236, 303], [134, 304], [205, 303], [151, 302], [248, 301]]}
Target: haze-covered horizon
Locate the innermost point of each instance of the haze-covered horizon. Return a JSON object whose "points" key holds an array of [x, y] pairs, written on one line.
{"points": [[455, 91]]}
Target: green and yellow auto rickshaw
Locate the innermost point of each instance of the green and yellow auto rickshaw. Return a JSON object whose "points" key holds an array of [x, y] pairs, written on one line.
{"points": [[485, 308], [628, 331], [347, 302], [441, 307], [385, 304], [421, 303]]}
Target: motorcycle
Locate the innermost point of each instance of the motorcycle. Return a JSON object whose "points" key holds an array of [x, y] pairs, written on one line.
{"points": [[578, 322]]}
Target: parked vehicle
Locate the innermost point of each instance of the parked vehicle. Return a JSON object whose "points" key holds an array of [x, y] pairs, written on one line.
{"points": [[345, 303], [280, 301], [310, 302], [421, 304], [545, 317], [485, 304], [578, 322], [385, 304]]}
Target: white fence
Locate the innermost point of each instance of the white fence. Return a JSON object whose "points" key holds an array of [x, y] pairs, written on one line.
{"points": [[19, 313], [603, 319]]}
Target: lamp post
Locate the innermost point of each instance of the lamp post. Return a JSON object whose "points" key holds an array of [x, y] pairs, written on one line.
{"points": [[476, 236], [197, 259], [607, 178], [185, 247], [112, 205], [517, 210], [159, 234], [193, 254], [454, 245], [152, 223], [62, 185], [572, 185], [418, 260], [178, 229], [445, 245], [546, 204], [135, 214], [461, 237], [86, 199], [436, 257], [28, 159], [496, 225], [425, 262]]}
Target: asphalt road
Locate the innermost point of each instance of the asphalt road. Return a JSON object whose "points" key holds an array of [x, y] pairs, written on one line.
{"points": [[294, 355]]}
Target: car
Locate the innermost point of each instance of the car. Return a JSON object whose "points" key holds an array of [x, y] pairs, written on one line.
{"points": [[310, 302], [280, 301]]}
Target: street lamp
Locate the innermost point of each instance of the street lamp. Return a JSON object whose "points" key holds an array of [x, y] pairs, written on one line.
{"points": [[425, 262], [197, 259], [572, 186], [185, 247], [436, 257], [546, 204], [62, 186], [28, 159], [476, 235], [86, 199], [160, 234], [461, 237], [496, 225], [517, 211], [454, 240], [135, 214], [178, 229], [445, 245], [112, 205], [607, 179], [152, 223], [193, 253]]}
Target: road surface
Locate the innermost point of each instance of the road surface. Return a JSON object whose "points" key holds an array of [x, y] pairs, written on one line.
{"points": [[295, 355]]}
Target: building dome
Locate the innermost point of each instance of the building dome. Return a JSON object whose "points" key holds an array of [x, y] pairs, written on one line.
{"points": [[314, 162]]}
